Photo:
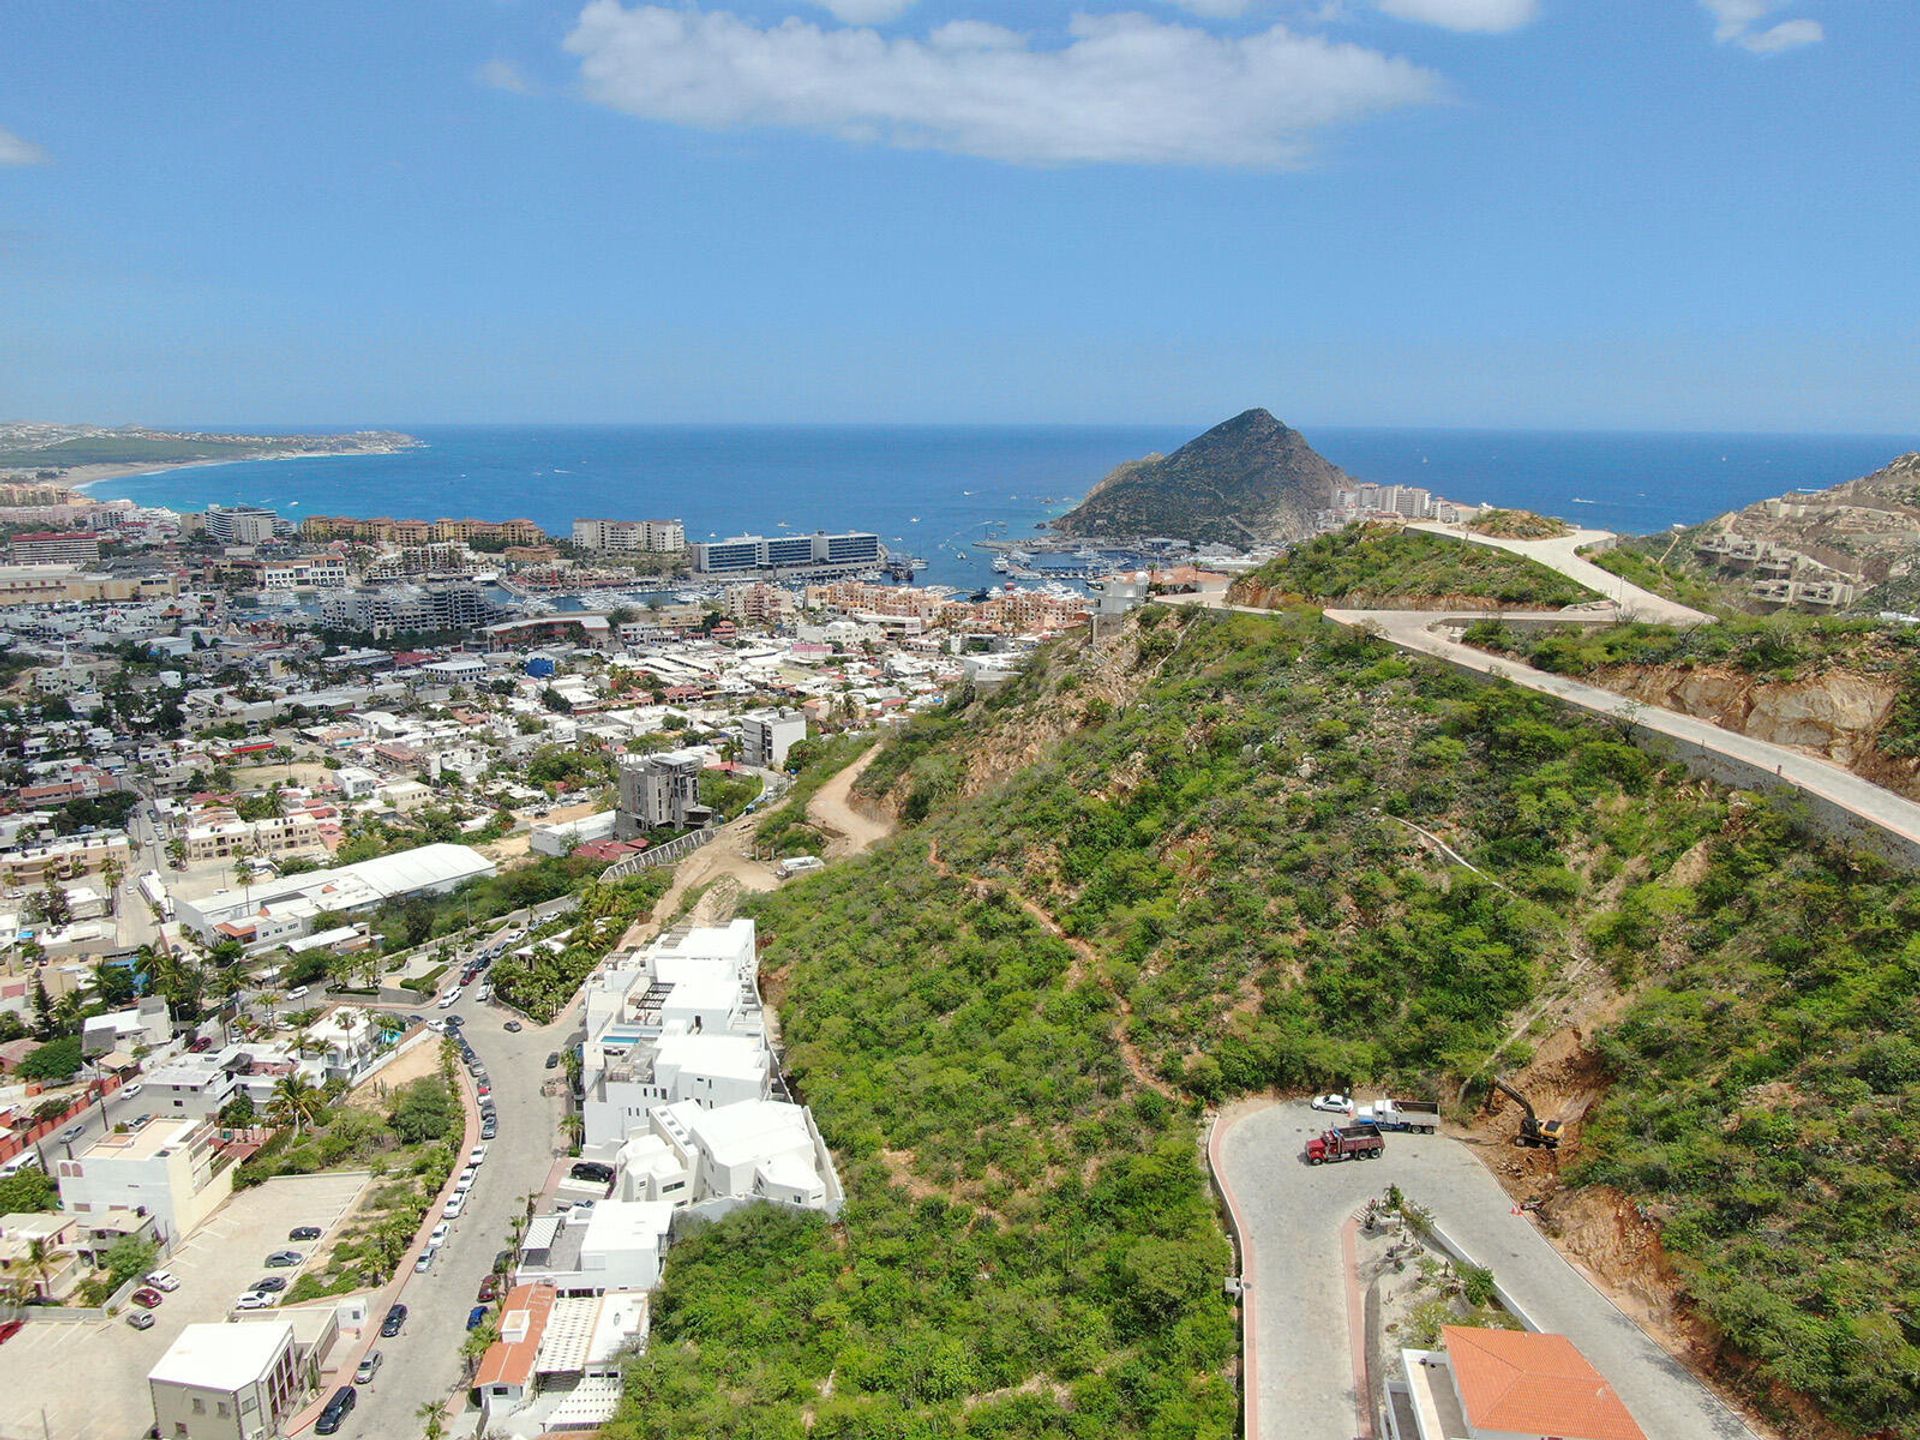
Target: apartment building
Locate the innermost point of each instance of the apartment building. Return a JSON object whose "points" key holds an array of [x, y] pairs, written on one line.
{"points": [[612, 1245], [767, 735], [224, 835], [227, 1382], [437, 605], [658, 792], [56, 547], [308, 572], [32, 866], [385, 530], [166, 1167], [244, 524], [630, 537]]}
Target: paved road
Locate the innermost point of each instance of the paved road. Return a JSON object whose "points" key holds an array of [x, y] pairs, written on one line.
{"points": [[1298, 1342], [1562, 554], [423, 1362]]}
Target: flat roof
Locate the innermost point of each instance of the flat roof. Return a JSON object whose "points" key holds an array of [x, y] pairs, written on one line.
{"points": [[750, 1130], [222, 1357]]}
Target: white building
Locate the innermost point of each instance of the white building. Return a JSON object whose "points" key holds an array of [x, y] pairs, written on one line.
{"points": [[164, 1168], [758, 1150], [240, 524], [558, 839], [284, 908], [613, 1245], [147, 1024], [195, 1086], [629, 537], [767, 735], [226, 1382]]}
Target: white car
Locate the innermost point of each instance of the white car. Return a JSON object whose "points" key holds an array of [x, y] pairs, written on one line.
{"points": [[468, 1173], [424, 1263], [1343, 1104], [256, 1300], [438, 1027], [479, 1155], [454, 1206], [299, 992], [448, 1000], [460, 1189], [164, 1280], [439, 1236]]}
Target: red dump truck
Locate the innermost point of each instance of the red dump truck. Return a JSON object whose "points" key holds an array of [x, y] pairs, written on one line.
{"points": [[1346, 1142]]}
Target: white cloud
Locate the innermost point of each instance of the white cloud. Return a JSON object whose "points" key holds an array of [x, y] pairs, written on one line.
{"points": [[865, 12], [1489, 17], [1124, 89], [504, 75], [1738, 22], [1215, 9], [15, 151]]}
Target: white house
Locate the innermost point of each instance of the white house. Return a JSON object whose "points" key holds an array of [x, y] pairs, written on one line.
{"points": [[614, 1245], [1504, 1385], [164, 1167], [147, 1023]]}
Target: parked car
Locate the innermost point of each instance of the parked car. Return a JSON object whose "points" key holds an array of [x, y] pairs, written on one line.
{"points": [[369, 1368], [439, 1235], [1336, 1101], [514, 1027], [454, 1207], [282, 1259], [270, 1285], [304, 1232], [72, 1133], [425, 1262], [299, 992], [147, 1298], [553, 1061], [140, 1319], [489, 1289], [476, 1317], [470, 1172], [454, 1022], [336, 1412], [201, 1045], [164, 1280], [396, 1317], [478, 1156], [488, 1130], [592, 1170], [127, 1092], [484, 1090], [254, 1300]]}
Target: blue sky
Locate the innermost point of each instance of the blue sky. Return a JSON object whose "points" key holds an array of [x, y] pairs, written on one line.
{"points": [[1605, 214]]}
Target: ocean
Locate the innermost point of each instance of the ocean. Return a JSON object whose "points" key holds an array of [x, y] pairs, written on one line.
{"points": [[934, 490]]}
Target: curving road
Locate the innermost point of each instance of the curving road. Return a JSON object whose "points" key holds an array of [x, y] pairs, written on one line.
{"points": [[1299, 1359]]}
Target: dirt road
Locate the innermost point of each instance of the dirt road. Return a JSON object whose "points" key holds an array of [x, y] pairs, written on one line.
{"points": [[851, 831]]}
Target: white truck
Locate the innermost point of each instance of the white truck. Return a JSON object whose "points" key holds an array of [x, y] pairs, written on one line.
{"points": [[1419, 1116]]}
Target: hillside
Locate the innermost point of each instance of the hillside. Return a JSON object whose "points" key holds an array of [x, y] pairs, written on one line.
{"points": [[1386, 567], [1175, 870], [1248, 481], [1867, 529]]}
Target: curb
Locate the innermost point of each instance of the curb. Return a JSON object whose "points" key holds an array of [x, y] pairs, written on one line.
{"points": [[1243, 1243]]}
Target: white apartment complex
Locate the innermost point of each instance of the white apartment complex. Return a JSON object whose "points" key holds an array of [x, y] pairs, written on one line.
{"points": [[767, 735], [165, 1168], [630, 537]]}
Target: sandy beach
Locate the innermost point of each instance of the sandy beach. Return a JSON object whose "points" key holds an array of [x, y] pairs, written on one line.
{"points": [[80, 477]]}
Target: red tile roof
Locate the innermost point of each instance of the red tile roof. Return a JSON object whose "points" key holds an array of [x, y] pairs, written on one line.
{"points": [[523, 1320], [1517, 1383]]}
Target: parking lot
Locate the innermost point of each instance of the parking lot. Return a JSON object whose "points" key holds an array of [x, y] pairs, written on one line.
{"points": [[88, 1381]]}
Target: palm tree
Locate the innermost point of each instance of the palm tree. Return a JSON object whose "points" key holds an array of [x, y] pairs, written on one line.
{"points": [[295, 1101], [432, 1426]]}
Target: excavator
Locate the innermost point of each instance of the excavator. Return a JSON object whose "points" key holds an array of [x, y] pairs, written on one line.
{"points": [[1534, 1132]]}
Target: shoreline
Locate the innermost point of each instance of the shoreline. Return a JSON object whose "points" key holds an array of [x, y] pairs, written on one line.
{"points": [[102, 474]]}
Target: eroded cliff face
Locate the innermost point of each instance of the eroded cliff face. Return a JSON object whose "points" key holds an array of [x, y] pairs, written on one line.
{"points": [[1838, 714]]}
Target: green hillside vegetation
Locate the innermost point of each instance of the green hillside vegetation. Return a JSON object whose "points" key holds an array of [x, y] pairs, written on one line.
{"points": [[1371, 564], [1007, 1017], [1521, 525], [1666, 566]]}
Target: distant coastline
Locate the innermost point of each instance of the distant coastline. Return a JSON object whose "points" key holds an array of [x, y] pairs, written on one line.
{"points": [[101, 474]]}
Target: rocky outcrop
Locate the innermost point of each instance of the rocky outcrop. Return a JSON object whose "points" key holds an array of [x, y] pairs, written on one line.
{"points": [[1838, 714], [1249, 481]]}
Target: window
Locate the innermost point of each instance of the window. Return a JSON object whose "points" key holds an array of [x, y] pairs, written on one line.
{"points": [[199, 1406]]}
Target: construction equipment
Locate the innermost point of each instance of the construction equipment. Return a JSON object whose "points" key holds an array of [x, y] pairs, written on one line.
{"points": [[1346, 1142], [1534, 1132]]}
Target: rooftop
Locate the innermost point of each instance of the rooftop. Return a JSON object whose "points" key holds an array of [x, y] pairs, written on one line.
{"points": [[222, 1357], [523, 1320], [1511, 1381]]}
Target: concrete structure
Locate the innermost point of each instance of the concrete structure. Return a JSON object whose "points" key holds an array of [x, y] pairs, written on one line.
{"points": [[660, 792], [284, 908], [759, 557], [429, 607], [53, 584], [226, 1382], [630, 537], [165, 1168], [767, 735], [560, 838], [506, 1374], [1504, 1385], [242, 524], [196, 1086]]}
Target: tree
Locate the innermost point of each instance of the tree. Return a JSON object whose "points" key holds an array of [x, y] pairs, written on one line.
{"points": [[51, 905], [239, 1112], [55, 1060], [425, 1110], [114, 984], [433, 1427], [295, 1102], [128, 1257], [43, 1027]]}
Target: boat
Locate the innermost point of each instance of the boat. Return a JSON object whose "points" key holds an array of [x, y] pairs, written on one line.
{"points": [[913, 519]]}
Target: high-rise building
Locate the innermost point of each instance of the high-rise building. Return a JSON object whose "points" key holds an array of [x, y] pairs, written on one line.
{"points": [[241, 524], [767, 735], [659, 792]]}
